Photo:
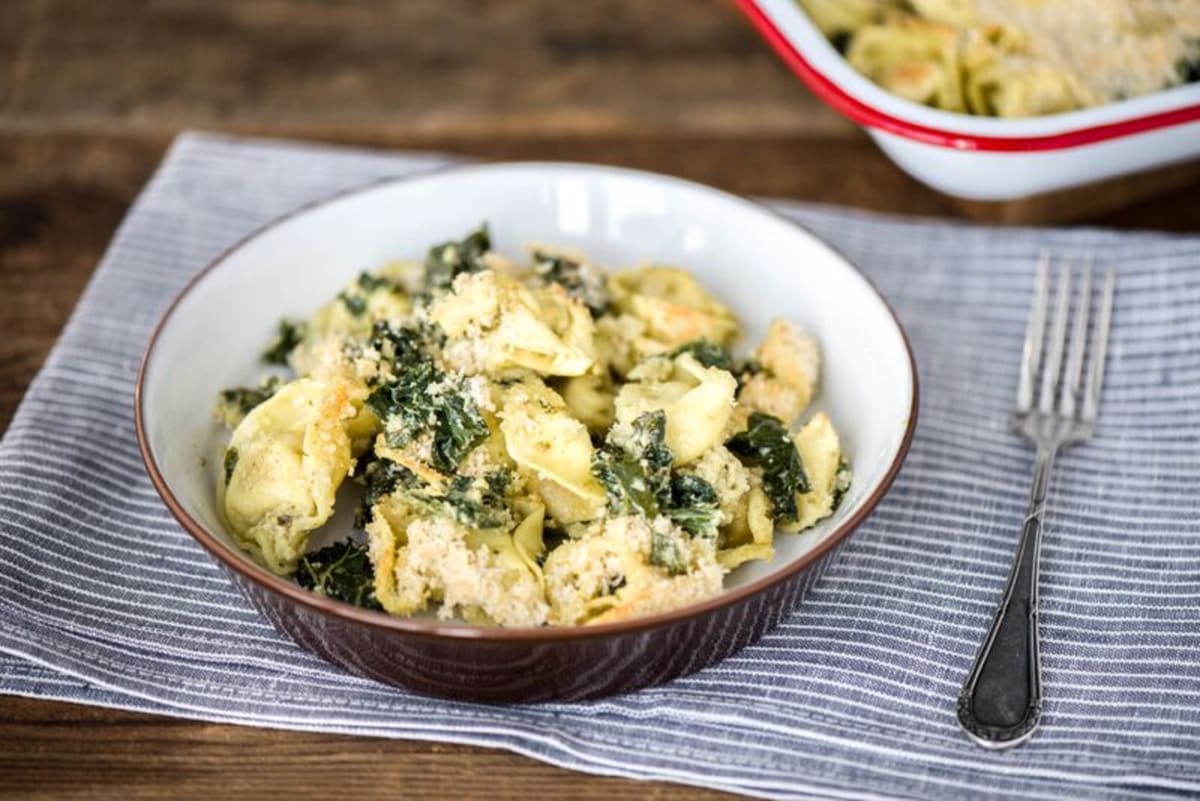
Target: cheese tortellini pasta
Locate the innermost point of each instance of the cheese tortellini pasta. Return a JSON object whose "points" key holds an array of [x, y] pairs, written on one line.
{"points": [[533, 442], [1016, 58]]}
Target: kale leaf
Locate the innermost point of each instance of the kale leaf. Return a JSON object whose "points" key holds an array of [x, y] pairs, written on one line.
{"points": [[404, 404], [355, 303], [410, 406], [650, 440], [460, 428], [370, 283], [694, 505], [666, 553], [709, 354], [571, 276], [419, 398], [231, 460], [625, 483], [342, 571], [745, 370], [636, 475], [239, 401], [447, 261], [289, 336], [637, 479], [402, 346], [765, 443], [356, 299], [841, 482], [380, 477], [478, 502]]}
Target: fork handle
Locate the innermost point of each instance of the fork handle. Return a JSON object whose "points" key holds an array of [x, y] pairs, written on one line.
{"points": [[1001, 701]]}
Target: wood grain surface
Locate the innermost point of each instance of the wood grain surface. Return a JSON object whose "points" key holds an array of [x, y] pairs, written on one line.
{"points": [[91, 93]]}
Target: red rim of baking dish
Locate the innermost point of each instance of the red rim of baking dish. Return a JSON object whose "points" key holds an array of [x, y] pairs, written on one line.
{"points": [[872, 117]]}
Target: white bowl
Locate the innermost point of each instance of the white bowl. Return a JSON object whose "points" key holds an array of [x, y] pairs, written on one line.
{"points": [[986, 158], [759, 263]]}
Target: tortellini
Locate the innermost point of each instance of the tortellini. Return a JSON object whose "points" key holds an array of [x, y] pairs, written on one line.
{"points": [[543, 437], [790, 364], [502, 324], [477, 575], [914, 58], [606, 575], [366, 299], [660, 308], [1016, 58], [698, 402], [533, 444], [590, 399], [821, 452], [283, 466]]}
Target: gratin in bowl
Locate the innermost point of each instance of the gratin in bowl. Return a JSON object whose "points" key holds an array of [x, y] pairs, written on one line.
{"points": [[757, 262], [987, 158]]}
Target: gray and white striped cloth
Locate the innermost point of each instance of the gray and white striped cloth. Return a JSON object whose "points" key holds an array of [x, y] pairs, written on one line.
{"points": [[105, 600]]}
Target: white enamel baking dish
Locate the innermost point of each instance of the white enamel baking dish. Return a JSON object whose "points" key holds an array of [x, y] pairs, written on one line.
{"points": [[984, 158]]}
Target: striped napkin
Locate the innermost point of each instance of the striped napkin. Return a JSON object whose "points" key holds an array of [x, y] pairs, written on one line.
{"points": [[105, 600]]}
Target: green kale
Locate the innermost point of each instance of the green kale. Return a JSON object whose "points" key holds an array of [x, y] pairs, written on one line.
{"points": [[410, 406], [289, 336], [403, 346], [707, 353], [477, 502], [380, 478], [636, 475], [649, 439], [766, 444], [343, 572], [744, 370], [355, 300], [841, 482], [694, 505], [355, 303], [419, 399], [460, 429], [239, 401], [403, 402], [571, 276], [447, 261], [624, 482], [637, 479], [231, 460], [369, 283], [666, 553]]}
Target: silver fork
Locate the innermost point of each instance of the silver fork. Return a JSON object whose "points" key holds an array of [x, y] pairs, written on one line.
{"points": [[1001, 701]]}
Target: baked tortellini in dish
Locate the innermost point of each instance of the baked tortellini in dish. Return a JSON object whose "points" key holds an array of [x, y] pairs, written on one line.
{"points": [[1016, 58], [532, 443]]}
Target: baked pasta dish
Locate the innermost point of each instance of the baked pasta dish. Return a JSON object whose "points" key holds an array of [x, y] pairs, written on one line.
{"points": [[536, 443], [1016, 58]]}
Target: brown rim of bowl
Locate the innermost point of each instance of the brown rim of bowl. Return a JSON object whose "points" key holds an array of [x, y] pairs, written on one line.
{"points": [[437, 630]]}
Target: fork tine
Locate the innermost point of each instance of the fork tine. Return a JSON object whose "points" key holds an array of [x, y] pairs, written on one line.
{"points": [[1034, 331], [1091, 395], [1058, 335], [1069, 394]]}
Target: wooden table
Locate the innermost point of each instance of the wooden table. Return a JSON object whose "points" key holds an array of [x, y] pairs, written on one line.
{"points": [[92, 92]]}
